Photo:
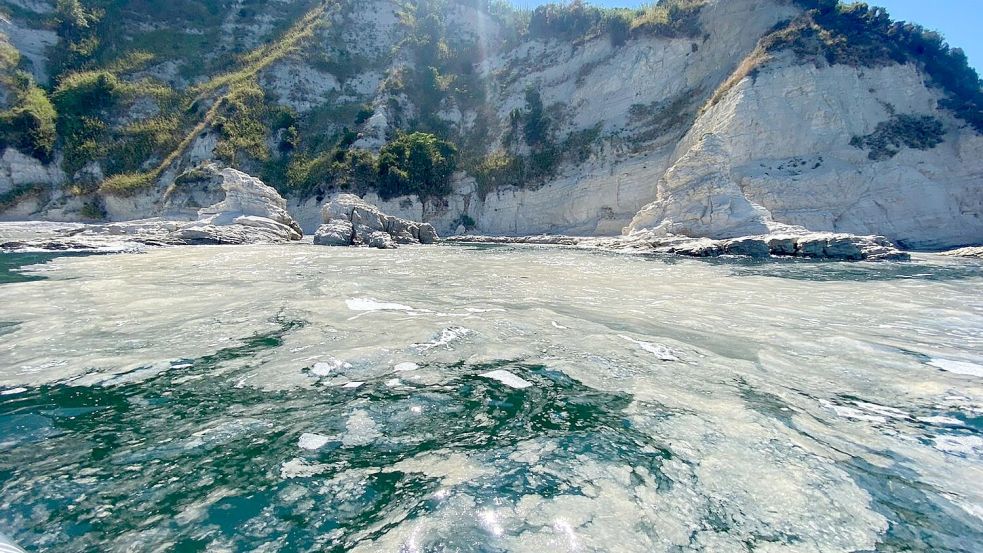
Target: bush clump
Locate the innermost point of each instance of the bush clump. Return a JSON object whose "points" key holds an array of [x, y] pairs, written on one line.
{"points": [[532, 154], [921, 132], [581, 21], [241, 123], [82, 101], [337, 168], [126, 184], [30, 125], [863, 36], [417, 163]]}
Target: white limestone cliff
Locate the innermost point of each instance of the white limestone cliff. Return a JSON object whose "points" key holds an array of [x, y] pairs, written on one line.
{"points": [[772, 153], [786, 138]]}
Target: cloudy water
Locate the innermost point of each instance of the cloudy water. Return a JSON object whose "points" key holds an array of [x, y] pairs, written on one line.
{"points": [[488, 399]]}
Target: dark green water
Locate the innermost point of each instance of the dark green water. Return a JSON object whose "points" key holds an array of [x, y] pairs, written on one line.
{"points": [[103, 465], [11, 263]]}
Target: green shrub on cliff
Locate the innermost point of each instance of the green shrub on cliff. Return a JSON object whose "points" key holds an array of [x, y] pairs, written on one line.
{"points": [[77, 26], [863, 36], [579, 20], [82, 101], [241, 124], [334, 168], [30, 125], [921, 132], [417, 163]]}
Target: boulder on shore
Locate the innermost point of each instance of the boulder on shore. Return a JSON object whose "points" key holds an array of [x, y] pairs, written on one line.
{"points": [[811, 245], [335, 233], [351, 221], [971, 251], [251, 212]]}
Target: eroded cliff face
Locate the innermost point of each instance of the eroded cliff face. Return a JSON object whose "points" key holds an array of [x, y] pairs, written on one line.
{"points": [[678, 143], [785, 150]]}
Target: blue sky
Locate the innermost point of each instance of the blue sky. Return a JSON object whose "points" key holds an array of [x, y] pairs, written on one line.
{"points": [[961, 21]]}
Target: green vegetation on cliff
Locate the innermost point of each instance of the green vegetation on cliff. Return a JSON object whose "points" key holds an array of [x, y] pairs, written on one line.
{"points": [[29, 123], [863, 36], [416, 163], [922, 132], [137, 84], [29, 126]]}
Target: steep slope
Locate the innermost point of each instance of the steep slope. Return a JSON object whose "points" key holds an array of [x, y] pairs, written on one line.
{"points": [[710, 118]]}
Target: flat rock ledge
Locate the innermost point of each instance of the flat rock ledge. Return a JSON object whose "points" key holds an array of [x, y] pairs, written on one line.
{"points": [[351, 221], [975, 252], [832, 246], [251, 213]]}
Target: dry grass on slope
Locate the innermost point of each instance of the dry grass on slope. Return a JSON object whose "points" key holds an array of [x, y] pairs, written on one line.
{"points": [[221, 88]]}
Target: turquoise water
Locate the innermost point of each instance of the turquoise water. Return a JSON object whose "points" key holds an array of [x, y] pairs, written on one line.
{"points": [[258, 399], [11, 263]]}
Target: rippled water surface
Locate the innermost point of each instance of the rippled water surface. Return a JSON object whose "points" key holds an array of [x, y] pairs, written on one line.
{"points": [[492, 399]]}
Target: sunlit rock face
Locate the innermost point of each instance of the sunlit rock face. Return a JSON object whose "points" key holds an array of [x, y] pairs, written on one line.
{"points": [[972, 251], [698, 198], [251, 212], [782, 149], [351, 221], [443, 398], [788, 132]]}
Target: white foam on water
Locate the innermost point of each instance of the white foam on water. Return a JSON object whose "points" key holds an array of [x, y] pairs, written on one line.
{"points": [[489, 520], [12, 391], [762, 476], [972, 508], [299, 468], [558, 325], [889, 412], [943, 421], [406, 367], [957, 367], [660, 351], [352, 385], [446, 337], [507, 378], [851, 413], [453, 469], [225, 432], [371, 304], [960, 445], [325, 368], [312, 441], [360, 430]]}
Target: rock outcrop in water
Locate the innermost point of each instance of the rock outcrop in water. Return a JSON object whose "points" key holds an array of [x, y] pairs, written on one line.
{"points": [[805, 245], [250, 213], [974, 251], [351, 221]]}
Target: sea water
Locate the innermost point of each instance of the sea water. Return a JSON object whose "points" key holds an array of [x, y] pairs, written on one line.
{"points": [[488, 399]]}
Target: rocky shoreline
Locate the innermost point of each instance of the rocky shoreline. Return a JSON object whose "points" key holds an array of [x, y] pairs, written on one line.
{"points": [[254, 213], [818, 245]]}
